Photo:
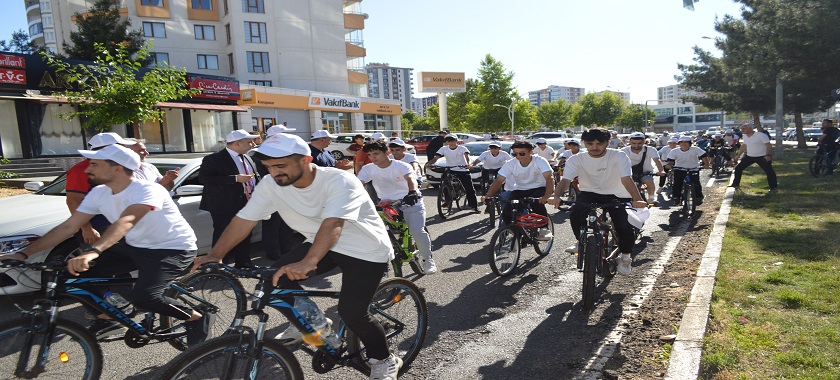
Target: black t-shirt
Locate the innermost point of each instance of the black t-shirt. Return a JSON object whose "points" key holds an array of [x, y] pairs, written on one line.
{"points": [[830, 135]]}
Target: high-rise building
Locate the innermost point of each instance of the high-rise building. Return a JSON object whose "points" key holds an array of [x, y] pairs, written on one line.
{"points": [[419, 105], [386, 82], [552, 93], [624, 96], [674, 93]]}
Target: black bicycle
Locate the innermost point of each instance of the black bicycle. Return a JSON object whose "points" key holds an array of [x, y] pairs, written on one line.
{"points": [[718, 161], [821, 164], [687, 201], [508, 241], [451, 191], [488, 176], [43, 345], [398, 305]]}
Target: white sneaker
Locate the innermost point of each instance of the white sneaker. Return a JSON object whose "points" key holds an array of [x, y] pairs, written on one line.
{"points": [[572, 249], [624, 262], [428, 265], [545, 235], [385, 369], [293, 336]]}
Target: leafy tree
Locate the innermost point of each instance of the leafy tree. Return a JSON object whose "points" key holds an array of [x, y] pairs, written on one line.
{"points": [[457, 103], [103, 25], [556, 114], [495, 86], [633, 116], [113, 91], [20, 43], [598, 109], [412, 121]]}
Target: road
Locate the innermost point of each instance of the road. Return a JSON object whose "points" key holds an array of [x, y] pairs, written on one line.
{"points": [[528, 325]]}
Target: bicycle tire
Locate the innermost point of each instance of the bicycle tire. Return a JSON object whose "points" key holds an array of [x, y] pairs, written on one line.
{"points": [[217, 288], [458, 195], [227, 357], [815, 166], [444, 202], [504, 250], [391, 298], [414, 261], [491, 207], [608, 268], [589, 268], [73, 352], [543, 247], [399, 255]]}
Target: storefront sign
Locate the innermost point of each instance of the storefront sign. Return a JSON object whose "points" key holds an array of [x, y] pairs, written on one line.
{"points": [[442, 82], [12, 76], [319, 101], [252, 97], [12, 61], [214, 88]]}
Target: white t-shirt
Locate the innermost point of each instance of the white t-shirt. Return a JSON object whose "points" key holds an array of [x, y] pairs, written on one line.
{"points": [[568, 153], [636, 158], [161, 228], [454, 157], [527, 177], [389, 182], [408, 158], [600, 175], [756, 144], [689, 159], [489, 161], [547, 153], [333, 194], [663, 152], [147, 172]]}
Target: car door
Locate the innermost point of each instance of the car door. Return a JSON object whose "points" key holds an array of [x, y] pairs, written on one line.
{"points": [[199, 220]]}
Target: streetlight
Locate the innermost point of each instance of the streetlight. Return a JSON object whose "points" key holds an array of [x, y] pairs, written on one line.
{"points": [[510, 114], [646, 113]]}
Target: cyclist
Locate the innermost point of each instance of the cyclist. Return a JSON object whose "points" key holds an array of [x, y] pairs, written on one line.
{"points": [[531, 176], [493, 159], [641, 156], [718, 146], [733, 141], [158, 243], [688, 157], [573, 149], [457, 155], [604, 176], [395, 180], [545, 151], [342, 229], [828, 142], [663, 154], [397, 148]]}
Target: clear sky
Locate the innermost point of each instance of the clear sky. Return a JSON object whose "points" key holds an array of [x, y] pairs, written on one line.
{"points": [[623, 45]]}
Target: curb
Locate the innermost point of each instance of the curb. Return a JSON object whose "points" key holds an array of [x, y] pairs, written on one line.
{"points": [[688, 347]]}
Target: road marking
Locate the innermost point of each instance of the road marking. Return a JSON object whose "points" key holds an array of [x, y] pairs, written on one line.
{"points": [[711, 182]]}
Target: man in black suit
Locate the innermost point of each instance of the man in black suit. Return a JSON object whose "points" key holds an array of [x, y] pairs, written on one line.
{"points": [[229, 176], [435, 144]]}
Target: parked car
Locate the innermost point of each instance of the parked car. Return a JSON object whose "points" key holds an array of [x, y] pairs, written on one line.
{"points": [[811, 134], [30, 216], [342, 141], [547, 135], [467, 137], [420, 143]]}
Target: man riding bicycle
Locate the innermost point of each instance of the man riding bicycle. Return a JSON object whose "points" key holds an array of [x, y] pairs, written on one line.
{"points": [[493, 158], [687, 157], [530, 176], [718, 146], [605, 176], [394, 180], [331, 208], [457, 155], [640, 163], [397, 149], [828, 143]]}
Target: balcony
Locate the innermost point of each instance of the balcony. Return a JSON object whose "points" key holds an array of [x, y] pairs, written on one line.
{"points": [[354, 21], [355, 51], [33, 5]]}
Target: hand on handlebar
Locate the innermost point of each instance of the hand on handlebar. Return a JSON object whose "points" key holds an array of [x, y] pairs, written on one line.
{"points": [[81, 263], [300, 270], [640, 204], [200, 260]]}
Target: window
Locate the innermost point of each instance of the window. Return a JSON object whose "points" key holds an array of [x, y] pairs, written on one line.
{"points": [[255, 32], [208, 62], [47, 20], [227, 33], [152, 3], [202, 4], [257, 62], [158, 59], [253, 6], [205, 32], [45, 6], [49, 36], [230, 62], [227, 10], [266, 83], [154, 29]]}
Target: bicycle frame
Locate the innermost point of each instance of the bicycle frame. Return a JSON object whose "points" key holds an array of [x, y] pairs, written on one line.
{"points": [[398, 230]]}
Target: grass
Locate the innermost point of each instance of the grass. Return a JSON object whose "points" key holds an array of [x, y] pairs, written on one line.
{"points": [[776, 307]]}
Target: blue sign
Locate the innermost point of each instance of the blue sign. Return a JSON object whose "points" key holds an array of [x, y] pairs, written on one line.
{"points": [[835, 93]]}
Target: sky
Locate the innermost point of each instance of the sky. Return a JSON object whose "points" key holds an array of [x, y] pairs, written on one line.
{"points": [[618, 45]]}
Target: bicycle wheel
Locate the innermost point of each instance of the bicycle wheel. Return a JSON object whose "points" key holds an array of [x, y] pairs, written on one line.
{"points": [[688, 198], [458, 195], [543, 247], [399, 306], [71, 352], [414, 263], [593, 254], [571, 194], [608, 267], [494, 213], [230, 357], [220, 289], [444, 202], [504, 251], [717, 165], [815, 166]]}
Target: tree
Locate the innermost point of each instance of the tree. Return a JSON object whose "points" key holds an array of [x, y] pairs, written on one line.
{"points": [[412, 121], [633, 116], [113, 91], [556, 115], [598, 109], [102, 24], [20, 43]]}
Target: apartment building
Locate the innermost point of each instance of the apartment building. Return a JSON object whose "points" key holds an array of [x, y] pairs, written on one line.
{"points": [[674, 93], [386, 82], [419, 105], [553, 93]]}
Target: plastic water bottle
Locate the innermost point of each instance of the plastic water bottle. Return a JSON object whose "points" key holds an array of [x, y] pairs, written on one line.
{"points": [[119, 302], [315, 317]]}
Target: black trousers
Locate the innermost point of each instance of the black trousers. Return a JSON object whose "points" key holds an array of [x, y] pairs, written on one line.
{"points": [[278, 238], [466, 181], [618, 215], [240, 254], [507, 216], [679, 177], [485, 175], [765, 165], [359, 280]]}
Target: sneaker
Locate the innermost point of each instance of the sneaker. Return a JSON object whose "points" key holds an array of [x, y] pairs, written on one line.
{"points": [[428, 266], [545, 235], [651, 199], [624, 261], [385, 369], [104, 328], [293, 336], [198, 329], [572, 249], [475, 210]]}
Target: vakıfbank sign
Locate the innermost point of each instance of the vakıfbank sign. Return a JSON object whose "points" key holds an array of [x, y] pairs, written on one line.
{"points": [[319, 101], [442, 82]]}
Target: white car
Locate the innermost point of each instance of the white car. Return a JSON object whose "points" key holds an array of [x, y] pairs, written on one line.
{"points": [[29, 216], [468, 137], [342, 141]]}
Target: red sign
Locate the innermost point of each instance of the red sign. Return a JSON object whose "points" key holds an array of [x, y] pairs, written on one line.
{"points": [[215, 89], [12, 61], [12, 76]]}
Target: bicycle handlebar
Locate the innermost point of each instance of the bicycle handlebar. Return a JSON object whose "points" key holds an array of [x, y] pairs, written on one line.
{"points": [[265, 273]]}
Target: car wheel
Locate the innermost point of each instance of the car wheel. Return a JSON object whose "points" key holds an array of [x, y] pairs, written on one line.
{"points": [[338, 155]]}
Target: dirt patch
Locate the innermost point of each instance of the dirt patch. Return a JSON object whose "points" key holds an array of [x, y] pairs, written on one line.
{"points": [[10, 191]]}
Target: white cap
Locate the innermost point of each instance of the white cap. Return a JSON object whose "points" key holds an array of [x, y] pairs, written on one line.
{"points": [[377, 136], [121, 155], [685, 138], [397, 142], [664, 132], [718, 135], [282, 145], [540, 140], [729, 131], [239, 134], [275, 129], [321, 133], [673, 140], [108, 138], [494, 143], [573, 141], [450, 135], [637, 135]]}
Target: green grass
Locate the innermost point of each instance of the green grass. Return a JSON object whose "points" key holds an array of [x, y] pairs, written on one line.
{"points": [[776, 306]]}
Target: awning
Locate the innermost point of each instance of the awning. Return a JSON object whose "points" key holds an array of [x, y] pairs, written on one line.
{"points": [[198, 106]]}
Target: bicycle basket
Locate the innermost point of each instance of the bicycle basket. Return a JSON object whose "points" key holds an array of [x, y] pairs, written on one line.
{"points": [[532, 220]]}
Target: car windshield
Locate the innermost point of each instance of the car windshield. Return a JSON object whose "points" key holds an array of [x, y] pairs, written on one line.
{"points": [[477, 149], [57, 187]]}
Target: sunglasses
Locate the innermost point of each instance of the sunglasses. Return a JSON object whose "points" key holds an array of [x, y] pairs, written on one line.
{"points": [[521, 154]]}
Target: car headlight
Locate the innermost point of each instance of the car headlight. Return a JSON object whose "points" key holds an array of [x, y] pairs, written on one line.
{"points": [[9, 244]]}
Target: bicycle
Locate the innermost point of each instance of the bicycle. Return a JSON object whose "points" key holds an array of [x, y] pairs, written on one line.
{"points": [[687, 202], [506, 244], [245, 353], [40, 343], [597, 247], [718, 162], [487, 178], [820, 164], [451, 191], [405, 249]]}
